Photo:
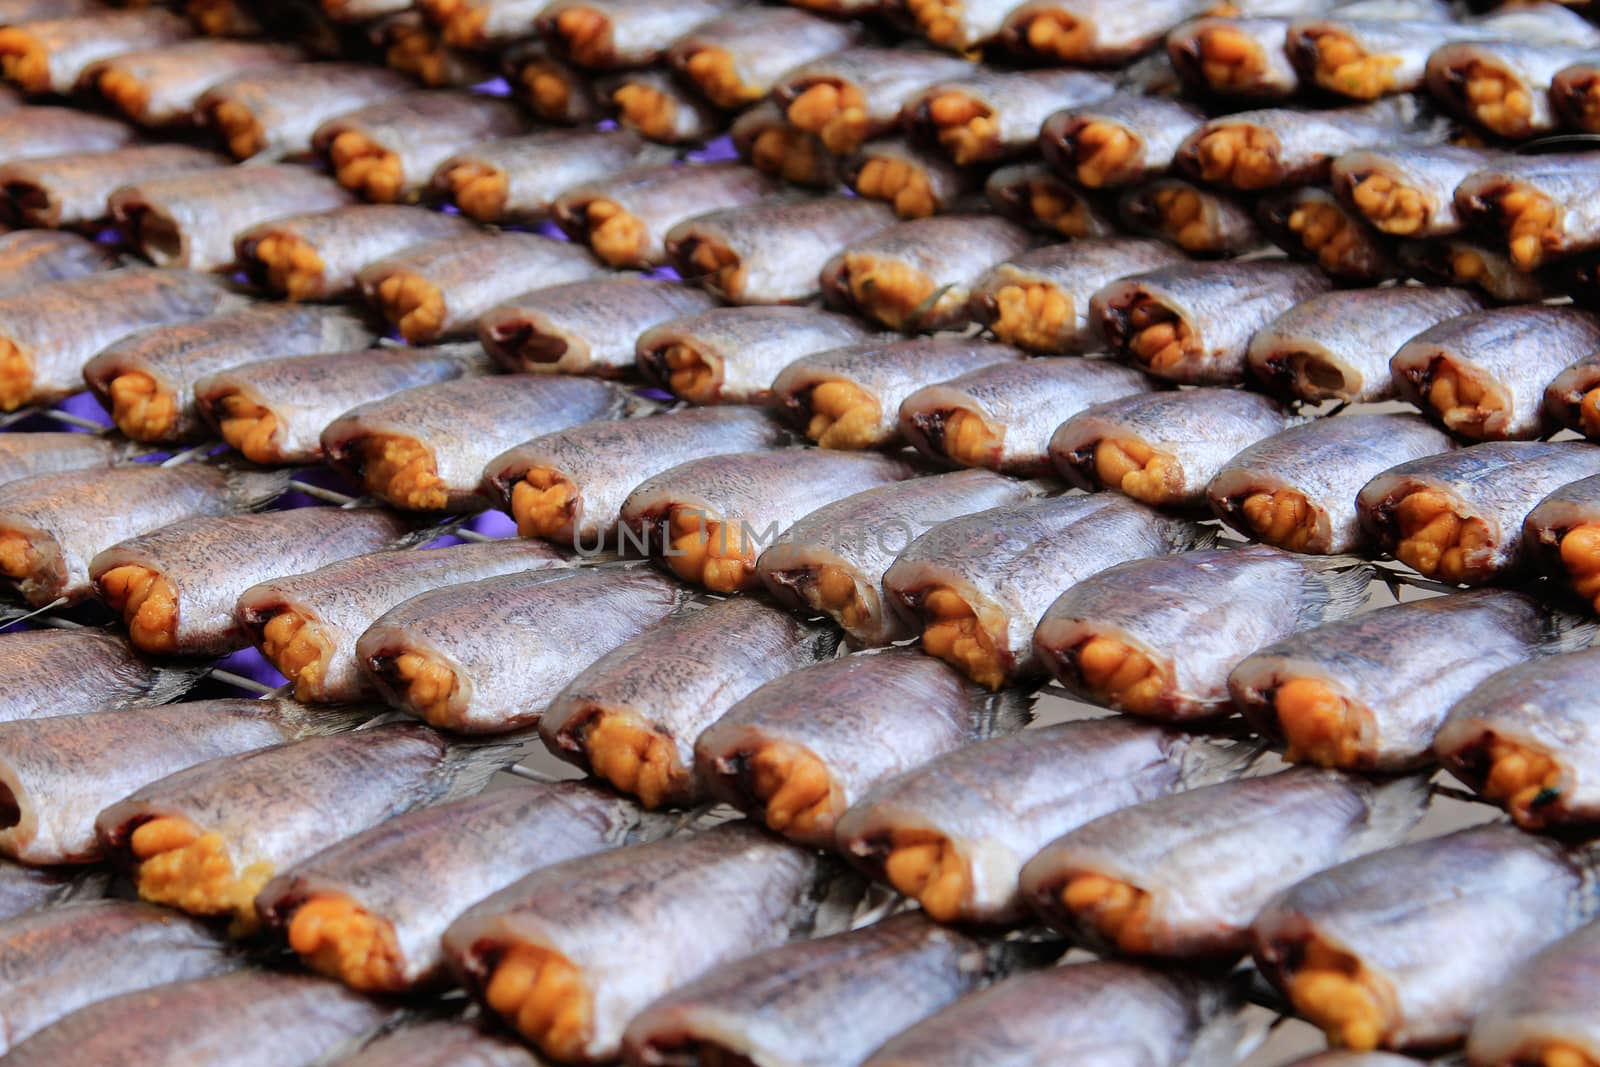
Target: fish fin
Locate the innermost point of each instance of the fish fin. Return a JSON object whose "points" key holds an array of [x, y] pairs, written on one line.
{"points": [[170, 683], [836, 899], [1567, 631], [1393, 808], [1212, 760], [1002, 713], [1226, 1035], [310, 721], [470, 763], [1187, 536], [253, 490], [1336, 587]]}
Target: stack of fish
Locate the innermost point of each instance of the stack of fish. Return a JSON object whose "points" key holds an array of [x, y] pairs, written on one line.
{"points": [[953, 485]]}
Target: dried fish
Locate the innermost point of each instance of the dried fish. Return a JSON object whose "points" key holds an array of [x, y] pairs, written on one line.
{"points": [[1310, 223], [25, 454], [765, 140], [554, 90], [569, 486], [542, 954], [147, 379], [954, 833], [734, 60], [854, 95], [388, 150], [1002, 416], [1125, 138], [50, 55], [976, 587], [445, 1043], [1573, 398], [176, 586], [611, 34], [1503, 85], [274, 410], [51, 525], [26, 889], [439, 288], [517, 179], [1182, 876], [73, 189], [1297, 489], [587, 327], [30, 258], [1575, 96], [36, 132], [657, 106], [48, 333], [423, 449], [190, 220], [991, 115], [161, 86], [1162, 448], [1336, 346], [1200, 221], [273, 113], [708, 520], [1193, 322], [1368, 693], [412, 46], [15, 11], [307, 624], [1095, 32], [1542, 205], [61, 959], [625, 217], [370, 909], [1033, 194], [850, 397], [1540, 1014], [633, 715], [1560, 533], [1039, 300], [1355, 947], [76, 672], [60, 772], [832, 561], [915, 181], [482, 23], [1235, 57], [442, 655], [1484, 375], [916, 276], [1407, 190], [251, 1018], [870, 984], [732, 355], [1460, 262], [362, 10], [318, 256]]}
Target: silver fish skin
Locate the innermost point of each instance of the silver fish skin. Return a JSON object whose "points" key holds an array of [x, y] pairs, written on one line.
{"points": [[707, 520], [461, 642], [274, 410], [1213, 223], [1092, 32], [965, 27], [1430, 172], [28, 889], [439, 288], [1336, 346], [883, 77], [47, 334], [632, 716], [318, 256], [1309, 223], [588, 327], [37, 257], [389, 149], [1398, 48], [190, 220], [1530, 713], [1186, 620], [159, 87], [15, 11], [1197, 861], [955, 832], [55, 961], [633, 33], [47, 452], [765, 140], [916, 276], [690, 904], [1508, 355], [1347, 1058], [73, 189], [362, 10], [771, 252], [1544, 1007], [202, 564], [833, 560], [1189, 434], [58, 773], [1523, 67], [1297, 489], [1065, 276], [1136, 138], [1035, 195], [459, 425], [874, 982], [1388, 912], [1558, 183], [50, 55], [408, 878], [250, 1018], [273, 113], [800, 750], [54, 524], [1571, 401], [748, 49], [1013, 104], [517, 179], [862, 386], [1110, 1014], [1390, 676], [1488, 489], [147, 380], [915, 180], [444, 1043], [1263, 72], [732, 355], [1001, 417], [1458, 261], [76, 672], [482, 23], [658, 106], [1202, 315], [308, 623], [593, 466], [1008, 564], [35, 132]]}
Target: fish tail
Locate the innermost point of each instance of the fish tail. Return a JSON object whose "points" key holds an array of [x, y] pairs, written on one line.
{"points": [[469, 764], [170, 683], [1393, 808], [301, 720], [1336, 588], [254, 490], [1225, 1035], [1211, 760], [1002, 713], [1567, 631]]}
